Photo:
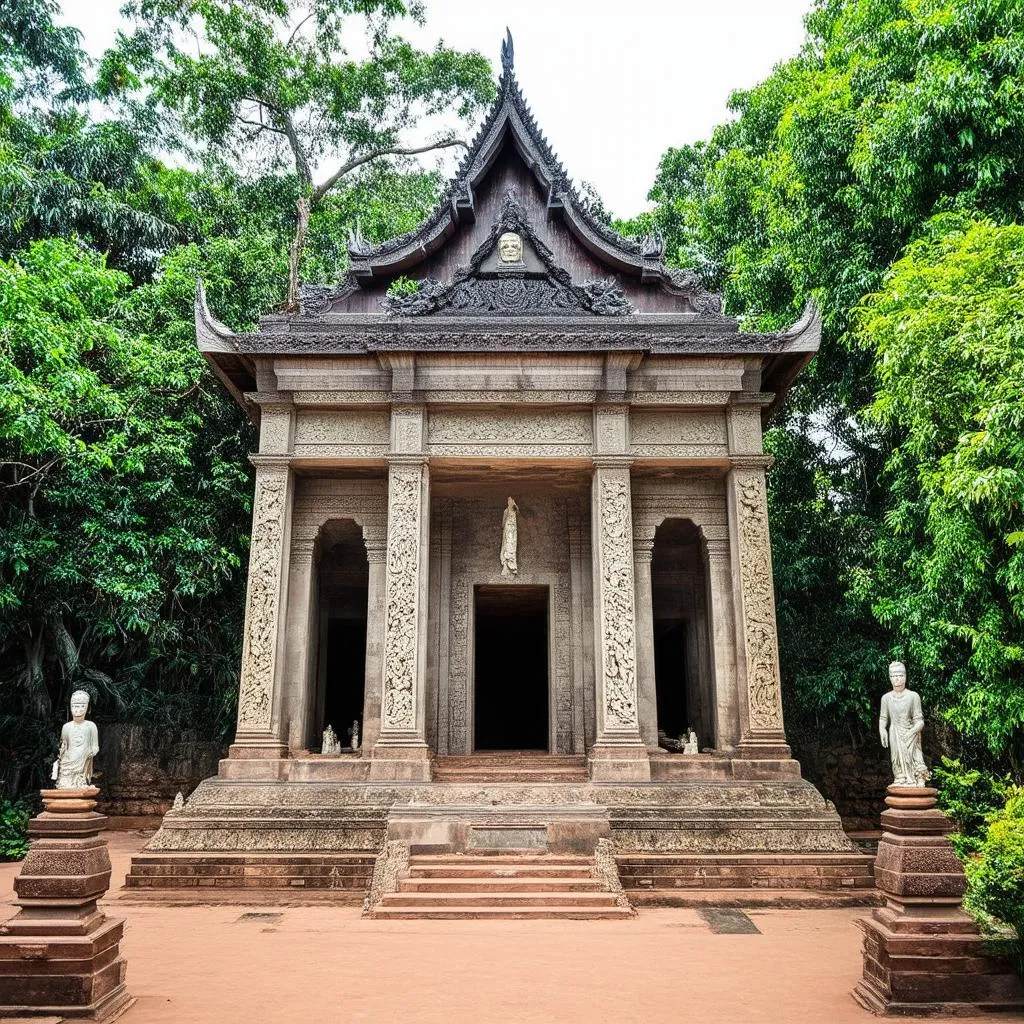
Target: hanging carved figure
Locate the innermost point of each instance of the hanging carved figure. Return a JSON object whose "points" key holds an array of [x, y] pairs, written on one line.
{"points": [[509, 539]]}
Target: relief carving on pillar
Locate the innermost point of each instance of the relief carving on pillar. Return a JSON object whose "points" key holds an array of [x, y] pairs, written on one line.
{"points": [[618, 640], [759, 627], [400, 633], [255, 704]]}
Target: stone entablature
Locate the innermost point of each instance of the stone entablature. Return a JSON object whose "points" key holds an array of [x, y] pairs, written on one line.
{"points": [[353, 435]]}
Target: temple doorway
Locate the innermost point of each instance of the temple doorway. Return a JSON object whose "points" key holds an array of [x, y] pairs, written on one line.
{"points": [[342, 595], [511, 668], [682, 651]]}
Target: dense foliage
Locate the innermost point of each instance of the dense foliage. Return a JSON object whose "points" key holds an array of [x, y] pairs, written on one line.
{"points": [[124, 485], [895, 113], [14, 818]]}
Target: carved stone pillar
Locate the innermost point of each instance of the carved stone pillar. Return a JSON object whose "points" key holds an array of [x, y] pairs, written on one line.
{"points": [[401, 751], [259, 732], [619, 752], [761, 729], [377, 557], [647, 693], [726, 714]]}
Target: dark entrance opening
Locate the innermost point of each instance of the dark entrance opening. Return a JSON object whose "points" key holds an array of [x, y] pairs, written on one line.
{"points": [[670, 675], [682, 643], [346, 677], [511, 668], [341, 603]]}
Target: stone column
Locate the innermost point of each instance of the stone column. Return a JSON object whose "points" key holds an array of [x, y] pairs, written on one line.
{"points": [[619, 752], [647, 693], [60, 955], [376, 556], [259, 732], [722, 620], [300, 643], [761, 730], [401, 750]]}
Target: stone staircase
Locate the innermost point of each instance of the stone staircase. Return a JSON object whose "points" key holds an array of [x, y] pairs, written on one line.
{"points": [[511, 766], [501, 885]]}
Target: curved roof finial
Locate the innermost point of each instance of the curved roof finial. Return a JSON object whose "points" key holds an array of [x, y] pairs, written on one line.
{"points": [[507, 52]]}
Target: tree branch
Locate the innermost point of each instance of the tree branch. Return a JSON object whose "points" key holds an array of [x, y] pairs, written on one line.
{"points": [[295, 31], [261, 124], [322, 189]]}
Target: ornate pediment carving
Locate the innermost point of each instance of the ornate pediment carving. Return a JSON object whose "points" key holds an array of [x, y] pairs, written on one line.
{"points": [[534, 284]]}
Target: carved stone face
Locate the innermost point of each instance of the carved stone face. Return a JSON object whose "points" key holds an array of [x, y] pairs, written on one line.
{"points": [[510, 248], [898, 675], [79, 705]]}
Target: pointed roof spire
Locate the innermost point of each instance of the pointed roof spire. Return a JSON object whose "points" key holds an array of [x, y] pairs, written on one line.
{"points": [[507, 52]]}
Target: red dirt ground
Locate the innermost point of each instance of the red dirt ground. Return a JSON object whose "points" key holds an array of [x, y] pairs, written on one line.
{"points": [[314, 965]]}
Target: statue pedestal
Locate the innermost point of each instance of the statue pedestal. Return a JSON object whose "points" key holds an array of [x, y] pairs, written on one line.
{"points": [[60, 955], [922, 953]]}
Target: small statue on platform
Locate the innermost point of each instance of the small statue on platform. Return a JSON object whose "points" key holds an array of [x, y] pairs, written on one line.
{"points": [[509, 539], [79, 744], [690, 743], [179, 801], [331, 744], [354, 736], [900, 724]]}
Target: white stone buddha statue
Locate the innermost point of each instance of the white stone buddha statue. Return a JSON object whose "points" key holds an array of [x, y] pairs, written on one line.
{"points": [[79, 744]]}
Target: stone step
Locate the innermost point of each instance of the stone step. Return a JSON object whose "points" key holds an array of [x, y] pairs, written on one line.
{"points": [[756, 898], [507, 872], [501, 858], [540, 884], [580, 900], [567, 913], [166, 871], [510, 766], [683, 871]]}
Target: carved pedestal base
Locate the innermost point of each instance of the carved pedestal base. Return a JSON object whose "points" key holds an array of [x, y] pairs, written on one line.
{"points": [[257, 747], [922, 953], [59, 955], [400, 761], [611, 761]]}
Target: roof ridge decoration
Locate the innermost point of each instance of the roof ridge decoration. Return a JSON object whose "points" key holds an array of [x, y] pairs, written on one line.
{"points": [[637, 257], [474, 290]]}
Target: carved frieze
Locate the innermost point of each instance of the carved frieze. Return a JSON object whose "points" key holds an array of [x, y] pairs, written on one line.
{"points": [[402, 597], [617, 625], [255, 699], [759, 627], [565, 434], [352, 434], [678, 434]]}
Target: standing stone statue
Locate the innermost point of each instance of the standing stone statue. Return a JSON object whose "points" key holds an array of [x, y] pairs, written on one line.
{"points": [[354, 734], [331, 744], [900, 723], [79, 744], [690, 744], [509, 539]]}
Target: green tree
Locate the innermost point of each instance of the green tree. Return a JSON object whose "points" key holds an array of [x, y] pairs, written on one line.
{"points": [[271, 78], [947, 575], [893, 112], [125, 496]]}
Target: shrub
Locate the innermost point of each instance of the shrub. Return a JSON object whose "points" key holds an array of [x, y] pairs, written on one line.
{"points": [[969, 796], [13, 830], [995, 872]]}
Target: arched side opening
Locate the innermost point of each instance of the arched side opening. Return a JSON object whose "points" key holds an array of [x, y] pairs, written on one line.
{"points": [[682, 646], [341, 588]]}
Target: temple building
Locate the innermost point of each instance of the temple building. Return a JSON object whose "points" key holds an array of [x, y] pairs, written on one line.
{"points": [[510, 536]]}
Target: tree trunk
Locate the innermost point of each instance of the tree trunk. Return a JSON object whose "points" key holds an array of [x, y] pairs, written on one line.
{"points": [[295, 255]]}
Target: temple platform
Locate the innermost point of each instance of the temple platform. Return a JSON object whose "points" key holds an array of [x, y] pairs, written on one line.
{"points": [[673, 838]]}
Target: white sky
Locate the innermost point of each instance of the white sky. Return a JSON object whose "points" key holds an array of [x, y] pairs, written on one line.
{"points": [[611, 85]]}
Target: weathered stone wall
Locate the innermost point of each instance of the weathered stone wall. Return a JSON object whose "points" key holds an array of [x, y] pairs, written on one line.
{"points": [[849, 767], [140, 769]]}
